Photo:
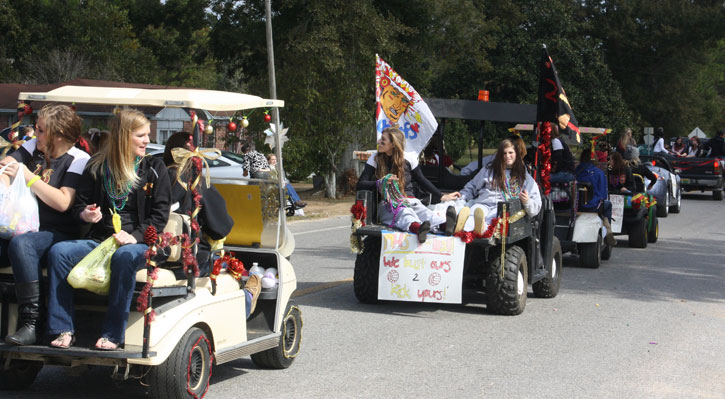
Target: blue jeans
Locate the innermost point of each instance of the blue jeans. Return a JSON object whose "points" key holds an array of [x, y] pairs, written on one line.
{"points": [[28, 253], [124, 264], [292, 193], [4, 259]]}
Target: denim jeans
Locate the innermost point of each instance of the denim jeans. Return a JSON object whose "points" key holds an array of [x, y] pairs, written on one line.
{"points": [[28, 253], [4, 259], [292, 193], [124, 264]]}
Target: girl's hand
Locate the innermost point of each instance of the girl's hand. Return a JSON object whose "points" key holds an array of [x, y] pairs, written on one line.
{"points": [[123, 238], [91, 214], [12, 169], [451, 196], [524, 197]]}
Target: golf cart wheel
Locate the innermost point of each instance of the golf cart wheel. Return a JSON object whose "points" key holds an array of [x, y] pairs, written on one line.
{"points": [[717, 195], [654, 231], [365, 277], [549, 286], [19, 375], [664, 209], [638, 234], [606, 251], [678, 203], [290, 342], [507, 295], [590, 254], [290, 211], [186, 373]]}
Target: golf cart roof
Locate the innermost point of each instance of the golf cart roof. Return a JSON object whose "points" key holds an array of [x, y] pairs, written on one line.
{"points": [[481, 110], [211, 100], [587, 130]]}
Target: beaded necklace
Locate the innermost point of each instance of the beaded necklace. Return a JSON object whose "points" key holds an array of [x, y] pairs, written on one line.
{"points": [[392, 196], [117, 197]]}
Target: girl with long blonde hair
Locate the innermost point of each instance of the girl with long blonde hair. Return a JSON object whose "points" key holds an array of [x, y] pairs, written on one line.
{"points": [[122, 193], [391, 174]]}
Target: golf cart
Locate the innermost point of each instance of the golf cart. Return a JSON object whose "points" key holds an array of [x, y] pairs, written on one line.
{"points": [[635, 215], [200, 322], [501, 265]]}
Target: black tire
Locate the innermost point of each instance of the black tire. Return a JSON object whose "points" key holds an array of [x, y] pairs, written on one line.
{"points": [[590, 254], [717, 195], [365, 277], [664, 209], [188, 368], [638, 234], [290, 211], [290, 342], [20, 375], [549, 286], [507, 295], [654, 231], [678, 203], [606, 251]]}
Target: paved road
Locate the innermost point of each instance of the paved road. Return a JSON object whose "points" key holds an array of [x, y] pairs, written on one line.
{"points": [[649, 323]]}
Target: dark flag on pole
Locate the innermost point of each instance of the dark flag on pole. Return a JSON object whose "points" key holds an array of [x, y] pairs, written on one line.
{"points": [[553, 105]]}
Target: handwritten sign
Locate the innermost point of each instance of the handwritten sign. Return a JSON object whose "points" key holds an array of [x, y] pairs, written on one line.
{"points": [[617, 212], [428, 272]]}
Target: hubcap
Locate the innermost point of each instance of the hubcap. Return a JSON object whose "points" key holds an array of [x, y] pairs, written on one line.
{"points": [[520, 283], [196, 368], [290, 336]]}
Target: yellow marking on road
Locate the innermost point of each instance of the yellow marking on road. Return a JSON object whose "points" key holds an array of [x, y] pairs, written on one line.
{"points": [[320, 287]]}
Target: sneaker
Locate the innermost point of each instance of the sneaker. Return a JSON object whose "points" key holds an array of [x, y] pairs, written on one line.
{"points": [[450, 220], [462, 217], [300, 204], [478, 219], [254, 286]]}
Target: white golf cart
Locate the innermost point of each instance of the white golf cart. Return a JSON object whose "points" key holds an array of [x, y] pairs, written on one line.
{"points": [[579, 232], [199, 323]]}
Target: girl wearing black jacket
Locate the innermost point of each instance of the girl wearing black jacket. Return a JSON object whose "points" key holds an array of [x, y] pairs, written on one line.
{"points": [[406, 213], [121, 194], [213, 218]]}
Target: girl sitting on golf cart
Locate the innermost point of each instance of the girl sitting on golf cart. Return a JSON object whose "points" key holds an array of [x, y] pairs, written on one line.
{"points": [[620, 176], [120, 187], [52, 167], [388, 168], [503, 179]]}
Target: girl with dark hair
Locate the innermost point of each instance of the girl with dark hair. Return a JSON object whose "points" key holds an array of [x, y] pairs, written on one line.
{"points": [[122, 193], [52, 167], [659, 147], [696, 150], [620, 176], [390, 167], [503, 179]]}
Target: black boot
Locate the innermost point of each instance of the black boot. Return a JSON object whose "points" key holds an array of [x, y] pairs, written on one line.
{"points": [[28, 313]]}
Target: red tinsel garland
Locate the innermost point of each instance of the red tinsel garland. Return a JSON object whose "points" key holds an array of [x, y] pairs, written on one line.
{"points": [[359, 212], [234, 267], [468, 236], [545, 161]]}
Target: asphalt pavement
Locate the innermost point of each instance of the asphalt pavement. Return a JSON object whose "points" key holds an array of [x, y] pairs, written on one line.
{"points": [[649, 323]]}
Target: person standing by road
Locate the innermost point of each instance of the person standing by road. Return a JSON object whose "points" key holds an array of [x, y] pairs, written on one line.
{"points": [[254, 162], [716, 146]]}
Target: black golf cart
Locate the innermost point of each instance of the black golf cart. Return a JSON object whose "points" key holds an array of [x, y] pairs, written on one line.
{"points": [[530, 251]]}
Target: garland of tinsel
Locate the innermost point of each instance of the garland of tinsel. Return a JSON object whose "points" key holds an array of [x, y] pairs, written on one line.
{"points": [[393, 198], [234, 267], [545, 161], [359, 214], [157, 242]]}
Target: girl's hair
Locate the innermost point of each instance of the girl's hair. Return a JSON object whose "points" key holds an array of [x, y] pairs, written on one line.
{"points": [[518, 170], [96, 139], [270, 155], [618, 164], [60, 122], [697, 139], [178, 139], [625, 139], [117, 154], [396, 160], [586, 156]]}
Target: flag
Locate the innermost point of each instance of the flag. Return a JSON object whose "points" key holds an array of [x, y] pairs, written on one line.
{"points": [[399, 105], [553, 105]]}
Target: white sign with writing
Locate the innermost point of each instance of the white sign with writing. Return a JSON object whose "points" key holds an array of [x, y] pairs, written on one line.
{"points": [[428, 272], [617, 212]]}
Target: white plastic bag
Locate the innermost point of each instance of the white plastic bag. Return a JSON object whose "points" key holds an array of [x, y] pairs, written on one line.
{"points": [[18, 207]]}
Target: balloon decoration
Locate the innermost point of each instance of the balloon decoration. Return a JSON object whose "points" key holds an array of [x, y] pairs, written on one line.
{"points": [[245, 122], [231, 126], [267, 117]]}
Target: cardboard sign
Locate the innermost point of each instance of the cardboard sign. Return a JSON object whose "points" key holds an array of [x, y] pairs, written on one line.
{"points": [[617, 212], [428, 272]]}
